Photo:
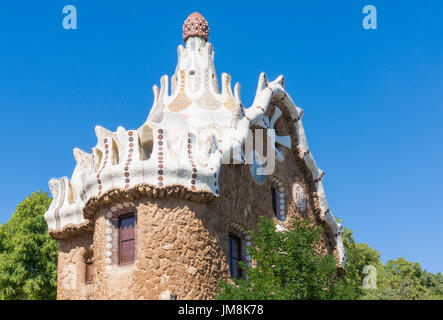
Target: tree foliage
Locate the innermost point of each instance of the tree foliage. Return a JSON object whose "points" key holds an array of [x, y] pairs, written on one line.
{"points": [[28, 255], [398, 279], [286, 266]]}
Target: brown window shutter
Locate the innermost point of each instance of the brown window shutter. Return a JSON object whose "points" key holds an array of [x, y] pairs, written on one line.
{"points": [[127, 238], [89, 271]]}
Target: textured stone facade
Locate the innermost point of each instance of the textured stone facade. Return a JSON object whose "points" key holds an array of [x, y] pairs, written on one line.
{"points": [[181, 245], [187, 176]]}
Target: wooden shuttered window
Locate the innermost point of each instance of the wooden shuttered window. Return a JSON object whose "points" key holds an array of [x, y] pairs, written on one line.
{"points": [[234, 256], [89, 271], [127, 238]]}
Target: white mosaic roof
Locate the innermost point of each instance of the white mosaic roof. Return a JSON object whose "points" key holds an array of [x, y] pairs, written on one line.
{"points": [[186, 138]]}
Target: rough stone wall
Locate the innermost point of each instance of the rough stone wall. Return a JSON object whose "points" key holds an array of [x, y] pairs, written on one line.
{"points": [[72, 256], [182, 245]]}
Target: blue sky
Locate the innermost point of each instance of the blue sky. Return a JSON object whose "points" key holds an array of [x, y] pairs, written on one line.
{"points": [[373, 99]]}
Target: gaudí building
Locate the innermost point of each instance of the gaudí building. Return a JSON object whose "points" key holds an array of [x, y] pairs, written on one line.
{"points": [[163, 211]]}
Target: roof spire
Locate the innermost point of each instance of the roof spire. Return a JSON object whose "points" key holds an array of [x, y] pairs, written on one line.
{"points": [[195, 26]]}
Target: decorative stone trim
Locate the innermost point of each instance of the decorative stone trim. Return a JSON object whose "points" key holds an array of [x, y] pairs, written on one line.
{"points": [[278, 186], [99, 182], [191, 161], [245, 238], [320, 178], [72, 230], [299, 197], [112, 216], [160, 157], [118, 194], [129, 160]]}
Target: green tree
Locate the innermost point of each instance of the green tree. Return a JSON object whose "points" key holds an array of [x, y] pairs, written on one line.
{"points": [[28, 255], [286, 266], [399, 280], [396, 280], [434, 283], [359, 255]]}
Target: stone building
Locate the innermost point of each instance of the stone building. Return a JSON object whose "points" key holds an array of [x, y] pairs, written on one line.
{"points": [[163, 211]]}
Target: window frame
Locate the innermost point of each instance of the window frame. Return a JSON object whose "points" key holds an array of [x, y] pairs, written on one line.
{"points": [[89, 276], [274, 200], [240, 272], [120, 218]]}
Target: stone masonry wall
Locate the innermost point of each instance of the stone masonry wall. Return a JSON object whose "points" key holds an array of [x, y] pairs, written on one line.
{"points": [[182, 245]]}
